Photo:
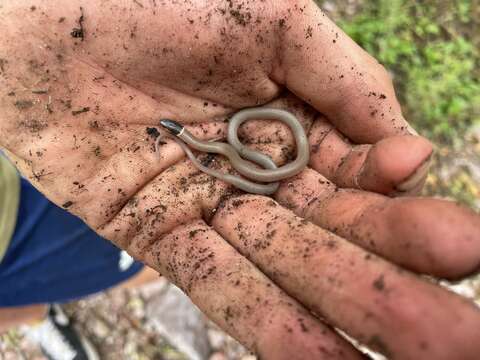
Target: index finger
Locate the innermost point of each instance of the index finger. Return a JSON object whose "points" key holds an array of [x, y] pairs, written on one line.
{"points": [[327, 69]]}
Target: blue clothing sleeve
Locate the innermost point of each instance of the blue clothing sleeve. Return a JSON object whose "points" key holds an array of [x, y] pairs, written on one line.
{"points": [[54, 257]]}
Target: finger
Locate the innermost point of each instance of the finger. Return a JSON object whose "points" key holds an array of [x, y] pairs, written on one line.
{"points": [[323, 66], [369, 298], [395, 165], [160, 226], [428, 236], [240, 299]]}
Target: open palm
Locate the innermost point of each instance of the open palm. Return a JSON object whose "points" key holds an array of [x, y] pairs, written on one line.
{"points": [[83, 86]]}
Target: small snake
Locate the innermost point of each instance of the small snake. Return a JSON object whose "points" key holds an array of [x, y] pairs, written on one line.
{"points": [[236, 152]]}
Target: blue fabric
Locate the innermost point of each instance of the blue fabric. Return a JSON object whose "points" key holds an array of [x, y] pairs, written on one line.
{"points": [[54, 257]]}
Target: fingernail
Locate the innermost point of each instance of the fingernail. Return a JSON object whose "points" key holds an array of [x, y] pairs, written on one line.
{"points": [[416, 177]]}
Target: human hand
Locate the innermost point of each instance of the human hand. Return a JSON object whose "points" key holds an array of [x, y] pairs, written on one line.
{"points": [[77, 95]]}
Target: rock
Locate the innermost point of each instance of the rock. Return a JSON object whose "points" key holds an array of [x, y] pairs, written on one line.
{"points": [[137, 307], [178, 320], [99, 328], [216, 338]]}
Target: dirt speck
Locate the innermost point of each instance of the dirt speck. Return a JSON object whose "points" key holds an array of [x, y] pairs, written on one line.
{"points": [[23, 104], [80, 111], [379, 283], [309, 32], [33, 125], [303, 327], [242, 18], [3, 62], [79, 32], [153, 132], [67, 204]]}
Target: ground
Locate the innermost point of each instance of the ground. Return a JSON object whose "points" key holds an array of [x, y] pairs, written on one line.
{"points": [[432, 53]]}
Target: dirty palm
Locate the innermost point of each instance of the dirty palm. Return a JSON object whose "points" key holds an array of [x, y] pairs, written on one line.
{"points": [[83, 87]]}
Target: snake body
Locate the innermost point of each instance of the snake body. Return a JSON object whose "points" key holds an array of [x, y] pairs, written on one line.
{"points": [[258, 180]]}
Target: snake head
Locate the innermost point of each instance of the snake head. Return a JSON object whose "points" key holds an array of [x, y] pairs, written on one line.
{"points": [[172, 126]]}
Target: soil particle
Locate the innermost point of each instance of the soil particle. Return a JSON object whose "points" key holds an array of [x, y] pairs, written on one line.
{"points": [[309, 32], [302, 325], [94, 125], [237, 203], [379, 283], [39, 175], [39, 91], [271, 234], [192, 233], [153, 132], [3, 62], [80, 111], [67, 204], [331, 244], [79, 33], [241, 17], [23, 104], [208, 160], [33, 125], [228, 313]]}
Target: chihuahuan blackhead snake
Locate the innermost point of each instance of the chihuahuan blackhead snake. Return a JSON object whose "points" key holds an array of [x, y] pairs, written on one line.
{"points": [[257, 180]]}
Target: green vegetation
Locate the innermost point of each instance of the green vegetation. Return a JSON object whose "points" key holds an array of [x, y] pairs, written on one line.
{"points": [[432, 48]]}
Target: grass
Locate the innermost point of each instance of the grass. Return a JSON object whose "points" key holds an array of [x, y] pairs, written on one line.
{"points": [[432, 50]]}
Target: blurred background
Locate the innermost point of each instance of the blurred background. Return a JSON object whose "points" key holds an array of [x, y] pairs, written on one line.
{"points": [[432, 49]]}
